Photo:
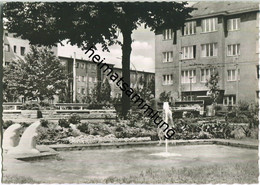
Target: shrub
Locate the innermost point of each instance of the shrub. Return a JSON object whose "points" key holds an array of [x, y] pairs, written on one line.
{"points": [[238, 133], [204, 135], [44, 104], [74, 119], [83, 127], [30, 106], [218, 107], [99, 129], [64, 123], [119, 129], [7, 124], [254, 133], [52, 134], [243, 106], [45, 123], [24, 124]]}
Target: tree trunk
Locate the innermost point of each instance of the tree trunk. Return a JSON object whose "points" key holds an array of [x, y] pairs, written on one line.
{"points": [[126, 52], [99, 81]]}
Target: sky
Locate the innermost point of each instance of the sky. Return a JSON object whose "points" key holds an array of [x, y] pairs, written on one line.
{"points": [[142, 56]]}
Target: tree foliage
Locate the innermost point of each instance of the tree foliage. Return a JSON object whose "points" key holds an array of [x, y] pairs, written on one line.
{"points": [[12, 81], [213, 86], [165, 96], [87, 23], [39, 76], [105, 91]]}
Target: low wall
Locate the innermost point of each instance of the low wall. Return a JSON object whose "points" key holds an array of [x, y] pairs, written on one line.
{"points": [[58, 114]]}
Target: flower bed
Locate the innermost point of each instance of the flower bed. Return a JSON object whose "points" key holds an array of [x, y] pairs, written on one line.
{"points": [[90, 139]]}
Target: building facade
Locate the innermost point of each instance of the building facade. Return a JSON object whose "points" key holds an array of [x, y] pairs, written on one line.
{"points": [[220, 37], [87, 77], [16, 48]]}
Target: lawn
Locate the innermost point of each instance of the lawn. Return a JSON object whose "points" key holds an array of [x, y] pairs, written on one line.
{"points": [[228, 173]]}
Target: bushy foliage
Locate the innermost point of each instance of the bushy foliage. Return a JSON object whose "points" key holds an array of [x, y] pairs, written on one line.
{"points": [[30, 106], [7, 124], [54, 134], [213, 86], [64, 123], [189, 129], [39, 76], [45, 123], [74, 119], [105, 91], [165, 97], [83, 127], [245, 113]]}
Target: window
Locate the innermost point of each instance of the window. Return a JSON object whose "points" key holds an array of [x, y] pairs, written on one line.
{"points": [[168, 56], [95, 79], [233, 50], [82, 65], [90, 79], [167, 79], [7, 47], [232, 75], [83, 78], [22, 51], [257, 95], [93, 67], [188, 52], [205, 74], [14, 48], [77, 64], [188, 76], [209, 50], [233, 24], [167, 34], [209, 25], [83, 91], [189, 28], [229, 100], [79, 77], [79, 90], [257, 71]]}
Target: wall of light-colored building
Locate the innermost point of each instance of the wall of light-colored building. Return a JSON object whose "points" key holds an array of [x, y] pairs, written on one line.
{"points": [[90, 71], [12, 41], [247, 36]]}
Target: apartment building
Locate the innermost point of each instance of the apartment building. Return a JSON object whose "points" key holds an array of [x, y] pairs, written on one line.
{"points": [[87, 77], [16, 48], [220, 37]]}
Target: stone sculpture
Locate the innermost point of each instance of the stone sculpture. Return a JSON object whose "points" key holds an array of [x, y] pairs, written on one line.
{"points": [[11, 136], [27, 144]]}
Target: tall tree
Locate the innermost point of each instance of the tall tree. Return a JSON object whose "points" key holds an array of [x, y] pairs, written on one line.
{"points": [[88, 23], [12, 81], [105, 91], [39, 76]]}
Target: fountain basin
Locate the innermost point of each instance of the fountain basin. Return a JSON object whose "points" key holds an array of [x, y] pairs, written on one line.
{"points": [[79, 166]]}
